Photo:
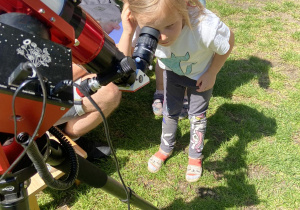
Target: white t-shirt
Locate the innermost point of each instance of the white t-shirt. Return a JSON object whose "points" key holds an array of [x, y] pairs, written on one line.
{"points": [[191, 54]]}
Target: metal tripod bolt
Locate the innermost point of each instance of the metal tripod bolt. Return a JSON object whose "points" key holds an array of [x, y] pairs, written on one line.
{"points": [[22, 137]]}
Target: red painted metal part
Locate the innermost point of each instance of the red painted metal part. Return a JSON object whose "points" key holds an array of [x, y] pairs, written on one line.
{"points": [[28, 112], [61, 31], [91, 42], [3, 161]]}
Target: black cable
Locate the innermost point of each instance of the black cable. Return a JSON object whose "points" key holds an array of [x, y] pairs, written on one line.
{"points": [[86, 94], [40, 79], [71, 154], [14, 116]]}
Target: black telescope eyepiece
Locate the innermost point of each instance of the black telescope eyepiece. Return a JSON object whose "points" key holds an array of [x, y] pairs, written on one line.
{"points": [[146, 46]]}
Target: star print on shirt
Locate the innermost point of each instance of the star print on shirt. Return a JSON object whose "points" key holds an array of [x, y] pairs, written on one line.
{"points": [[173, 63]]}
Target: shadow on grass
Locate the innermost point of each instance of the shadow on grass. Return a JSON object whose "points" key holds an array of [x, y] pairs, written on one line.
{"points": [[241, 125], [235, 73]]}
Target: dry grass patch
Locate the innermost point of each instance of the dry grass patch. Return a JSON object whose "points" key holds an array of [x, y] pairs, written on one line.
{"points": [[257, 172]]}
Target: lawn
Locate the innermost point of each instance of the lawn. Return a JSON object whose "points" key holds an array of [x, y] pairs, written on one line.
{"points": [[252, 145]]}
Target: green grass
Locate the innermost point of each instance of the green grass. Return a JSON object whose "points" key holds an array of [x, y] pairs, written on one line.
{"points": [[252, 145]]}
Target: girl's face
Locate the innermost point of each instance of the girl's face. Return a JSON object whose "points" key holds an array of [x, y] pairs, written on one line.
{"points": [[169, 23]]}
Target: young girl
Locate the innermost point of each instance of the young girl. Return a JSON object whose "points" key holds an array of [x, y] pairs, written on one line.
{"points": [[158, 96], [194, 44]]}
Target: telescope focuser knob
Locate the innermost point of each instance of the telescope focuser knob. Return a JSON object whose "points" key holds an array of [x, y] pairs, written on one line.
{"points": [[128, 65]]}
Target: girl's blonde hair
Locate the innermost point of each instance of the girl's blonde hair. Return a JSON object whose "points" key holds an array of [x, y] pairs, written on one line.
{"points": [[146, 8]]}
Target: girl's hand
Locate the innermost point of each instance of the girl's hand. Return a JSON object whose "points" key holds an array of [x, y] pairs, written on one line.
{"points": [[128, 21], [129, 26], [206, 81]]}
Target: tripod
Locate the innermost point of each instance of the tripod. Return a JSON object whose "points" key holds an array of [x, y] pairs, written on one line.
{"points": [[14, 186]]}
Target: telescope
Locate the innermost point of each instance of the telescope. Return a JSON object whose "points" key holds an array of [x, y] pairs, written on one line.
{"points": [[39, 41]]}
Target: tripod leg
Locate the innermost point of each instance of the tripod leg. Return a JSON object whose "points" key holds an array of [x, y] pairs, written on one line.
{"points": [[95, 177]]}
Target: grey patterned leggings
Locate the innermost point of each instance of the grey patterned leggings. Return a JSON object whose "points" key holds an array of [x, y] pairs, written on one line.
{"points": [[175, 86]]}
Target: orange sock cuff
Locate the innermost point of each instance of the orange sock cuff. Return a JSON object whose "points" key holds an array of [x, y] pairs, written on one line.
{"points": [[195, 162], [161, 155]]}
